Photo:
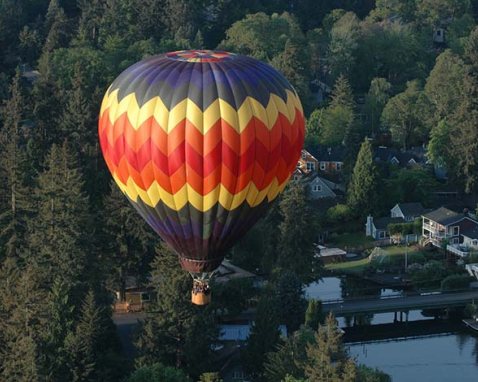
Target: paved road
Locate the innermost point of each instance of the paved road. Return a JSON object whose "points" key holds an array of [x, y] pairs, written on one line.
{"points": [[126, 324], [402, 303]]}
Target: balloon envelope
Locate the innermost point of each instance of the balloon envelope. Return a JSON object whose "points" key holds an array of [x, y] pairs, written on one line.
{"points": [[201, 142]]}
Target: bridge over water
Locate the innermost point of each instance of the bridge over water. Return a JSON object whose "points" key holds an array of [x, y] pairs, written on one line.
{"points": [[397, 303]]}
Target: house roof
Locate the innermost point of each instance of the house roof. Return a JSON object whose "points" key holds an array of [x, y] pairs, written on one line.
{"points": [[330, 154], [404, 158], [382, 223], [444, 216], [472, 233], [411, 209], [228, 271], [331, 252]]}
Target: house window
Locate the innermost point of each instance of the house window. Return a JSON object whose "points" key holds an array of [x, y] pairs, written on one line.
{"points": [[322, 166], [317, 188], [144, 296], [310, 166], [381, 235], [456, 231], [338, 166], [238, 375], [304, 155], [455, 240], [474, 243]]}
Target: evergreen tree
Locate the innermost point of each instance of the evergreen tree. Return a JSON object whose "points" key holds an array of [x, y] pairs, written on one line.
{"points": [[289, 358], [47, 107], [292, 64], [84, 344], [15, 203], [313, 314], [175, 332], [327, 359], [290, 295], [362, 190], [56, 27], [23, 321], [264, 337], [157, 372], [58, 234], [337, 120], [90, 20], [375, 100], [342, 93], [297, 234], [129, 241], [60, 325]]}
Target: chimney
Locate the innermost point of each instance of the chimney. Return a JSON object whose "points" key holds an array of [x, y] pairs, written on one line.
{"points": [[368, 226]]}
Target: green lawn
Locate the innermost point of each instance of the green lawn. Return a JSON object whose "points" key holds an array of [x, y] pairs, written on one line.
{"points": [[356, 266], [401, 250], [354, 239]]}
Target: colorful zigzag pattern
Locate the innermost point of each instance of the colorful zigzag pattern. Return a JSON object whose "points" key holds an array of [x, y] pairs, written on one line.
{"points": [[201, 142]]}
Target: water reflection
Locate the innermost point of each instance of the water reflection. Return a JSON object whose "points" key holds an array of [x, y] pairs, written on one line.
{"points": [[450, 357]]}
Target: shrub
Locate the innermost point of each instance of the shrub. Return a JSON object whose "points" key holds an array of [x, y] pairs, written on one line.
{"points": [[456, 281]]}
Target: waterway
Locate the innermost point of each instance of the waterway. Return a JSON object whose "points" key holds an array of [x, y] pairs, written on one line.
{"points": [[449, 354]]}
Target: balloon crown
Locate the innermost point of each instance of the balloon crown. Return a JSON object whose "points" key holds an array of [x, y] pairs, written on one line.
{"points": [[200, 55]]}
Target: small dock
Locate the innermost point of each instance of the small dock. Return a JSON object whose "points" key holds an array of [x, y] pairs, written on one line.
{"points": [[471, 323]]}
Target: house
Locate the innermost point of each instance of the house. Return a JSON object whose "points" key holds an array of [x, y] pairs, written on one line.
{"points": [[407, 211], [415, 156], [307, 162], [228, 271], [331, 159], [320, 187], [133, 297], [298, 173], [330, 255], [378, 228], [446, 226], [468, 242]]}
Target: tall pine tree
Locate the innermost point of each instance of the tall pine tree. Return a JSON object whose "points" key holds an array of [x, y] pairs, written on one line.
{"points": [[58, 235], [362, 190], [297, 234], [15, 206]]}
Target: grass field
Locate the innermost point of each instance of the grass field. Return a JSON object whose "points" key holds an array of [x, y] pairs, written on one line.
{"points": [[356, 266], [354, 239]]}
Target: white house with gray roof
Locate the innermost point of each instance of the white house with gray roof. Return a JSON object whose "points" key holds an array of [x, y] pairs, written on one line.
{"points": [[446, 226], [407, 211], [320, 187]]}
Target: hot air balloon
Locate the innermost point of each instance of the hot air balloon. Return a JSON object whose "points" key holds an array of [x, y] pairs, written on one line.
{"points": [[201, 143]]}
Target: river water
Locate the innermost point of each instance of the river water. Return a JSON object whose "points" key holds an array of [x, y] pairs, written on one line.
{"points": [[448, 356]]}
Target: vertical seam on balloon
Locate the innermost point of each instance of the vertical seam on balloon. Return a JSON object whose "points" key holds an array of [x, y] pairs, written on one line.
{"points": [[260, 83], [227, 209], [181, 247], [213, 239], [238, 219], [188, 205], [264, 69], [160, 205]]}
